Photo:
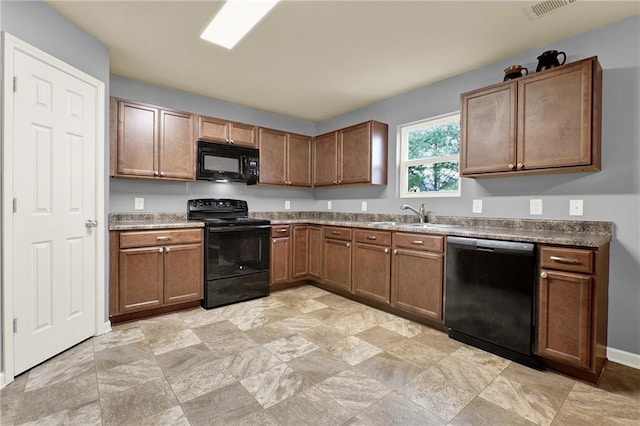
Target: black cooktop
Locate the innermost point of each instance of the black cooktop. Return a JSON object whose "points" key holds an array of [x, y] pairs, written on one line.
{"points": [[222, 212]]}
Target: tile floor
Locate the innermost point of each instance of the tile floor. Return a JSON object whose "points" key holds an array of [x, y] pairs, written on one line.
{"points": [[302, 357]]}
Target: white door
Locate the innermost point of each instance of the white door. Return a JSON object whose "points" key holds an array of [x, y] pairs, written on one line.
{"points": [[54, 190]]}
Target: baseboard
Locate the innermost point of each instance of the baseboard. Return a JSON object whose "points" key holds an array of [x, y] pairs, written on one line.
{"points": [[625, 358], [106, 327], [2, 383]]}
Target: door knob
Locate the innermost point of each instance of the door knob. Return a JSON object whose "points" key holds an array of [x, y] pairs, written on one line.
{"points": [[91, 223]]}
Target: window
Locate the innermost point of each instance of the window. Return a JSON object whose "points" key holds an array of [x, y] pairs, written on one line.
{"points": [[430, 157]]}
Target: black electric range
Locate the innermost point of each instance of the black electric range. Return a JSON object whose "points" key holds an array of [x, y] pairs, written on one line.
{"points": [[236, 252]]}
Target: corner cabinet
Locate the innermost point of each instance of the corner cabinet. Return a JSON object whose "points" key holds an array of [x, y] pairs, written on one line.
{"points": [[573, 309], [154, 269], [285, 158], [352, 156], [151, 142], [547, 122]]}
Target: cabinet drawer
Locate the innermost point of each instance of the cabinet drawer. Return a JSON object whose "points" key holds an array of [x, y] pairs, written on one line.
{"points": [[155, 238], [419, 242], [567, 259], [280, 231], [382, 238], [337, 233]]}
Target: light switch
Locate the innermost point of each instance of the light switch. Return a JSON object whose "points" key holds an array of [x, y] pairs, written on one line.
{"points": [[287, 205], [535, 206], [364, 206], [328, 205], [477, 206], [575, 207], [138, 203]]}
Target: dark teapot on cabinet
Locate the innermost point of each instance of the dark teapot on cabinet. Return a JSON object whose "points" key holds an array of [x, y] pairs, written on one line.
{"points": [[514, 71], [549, 59]]}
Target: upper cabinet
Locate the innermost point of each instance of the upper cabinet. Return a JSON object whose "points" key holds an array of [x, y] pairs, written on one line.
{"points": [[354, 155], [548, 122], [223, 131], [151, 142], [285, 158]]}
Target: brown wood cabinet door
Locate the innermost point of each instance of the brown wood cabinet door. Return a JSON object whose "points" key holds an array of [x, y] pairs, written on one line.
{"points": [[488, 126], [564, 323], [273, 157], [280, 260], [299, 160], [315, 252], [213, 129], [140, 279], [243, 134], [137, 139], [372, 271], [354, 155], [337, 263], [177, 146], [183, 273], [300, 251], [554, 118], [417, 282], [325, 159]]}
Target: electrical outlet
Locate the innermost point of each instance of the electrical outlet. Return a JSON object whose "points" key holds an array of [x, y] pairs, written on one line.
{"points": [[287, 205], [477, 206], [535, 206], [575, 207], [138, 203], [328, 205], [364, 206]]}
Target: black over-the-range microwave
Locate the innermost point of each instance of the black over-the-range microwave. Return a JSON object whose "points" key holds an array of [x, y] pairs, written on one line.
{"points": [[227, 163]]}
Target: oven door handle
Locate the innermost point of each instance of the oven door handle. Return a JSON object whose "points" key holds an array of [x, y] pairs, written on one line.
{"points": [[216, 229]]}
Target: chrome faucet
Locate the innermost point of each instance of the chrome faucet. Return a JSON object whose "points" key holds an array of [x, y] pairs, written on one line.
{"points": [[421, 213]]}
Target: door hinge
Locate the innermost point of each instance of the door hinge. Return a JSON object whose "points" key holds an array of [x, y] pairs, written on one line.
{"points": [[15, 205], [15, 325], [15, 83]]}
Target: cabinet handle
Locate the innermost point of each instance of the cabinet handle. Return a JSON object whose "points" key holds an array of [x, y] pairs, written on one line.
{"points": [[334, 182], [281, 230], [167, 249], [395, 251], [571, 260], [335, 232], [160, 250], [511, 166], [155, 173], [232, 141], [520, 166], [162, 174], [274, 241], [348, 244], [543, 275], [386, 250], [163, 238], [372, 237], [226, 140], [417, 242]]}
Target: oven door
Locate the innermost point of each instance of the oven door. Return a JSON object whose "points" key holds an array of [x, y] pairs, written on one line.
{"points": [[236, 264]]}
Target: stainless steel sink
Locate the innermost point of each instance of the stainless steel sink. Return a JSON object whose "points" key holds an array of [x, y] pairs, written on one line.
{"points": [[383, 223], [429, 225]]}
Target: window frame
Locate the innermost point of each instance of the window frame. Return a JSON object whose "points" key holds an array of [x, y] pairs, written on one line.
{"points": [[405, 163]]}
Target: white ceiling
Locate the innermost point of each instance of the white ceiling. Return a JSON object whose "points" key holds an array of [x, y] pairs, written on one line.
{"points": [[317, 59]]}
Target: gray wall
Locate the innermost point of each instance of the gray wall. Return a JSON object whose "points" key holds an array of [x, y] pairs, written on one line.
{"points": [[37, 24], [610, 195]]}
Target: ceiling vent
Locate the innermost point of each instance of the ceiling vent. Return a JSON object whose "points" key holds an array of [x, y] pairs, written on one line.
{"points": [[541, 8]]}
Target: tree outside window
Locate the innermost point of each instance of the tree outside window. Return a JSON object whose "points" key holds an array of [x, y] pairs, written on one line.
{"points": [[431, 157]]}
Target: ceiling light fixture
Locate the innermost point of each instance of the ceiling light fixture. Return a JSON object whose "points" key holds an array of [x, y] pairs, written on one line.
{"points": [[235, 20]]}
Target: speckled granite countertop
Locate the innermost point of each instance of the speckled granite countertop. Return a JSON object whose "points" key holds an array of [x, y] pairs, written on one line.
{"points": [[561, 232]]}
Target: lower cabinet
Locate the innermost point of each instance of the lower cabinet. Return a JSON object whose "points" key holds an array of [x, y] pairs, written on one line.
{"points": [[336, 257], [315, 253], [372, 264], [155, 269], [300, 252], [572, 309], [417, 274], [280, 255]]}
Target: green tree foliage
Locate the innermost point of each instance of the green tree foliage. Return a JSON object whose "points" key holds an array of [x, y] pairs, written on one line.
{"points": [[436, 141]]}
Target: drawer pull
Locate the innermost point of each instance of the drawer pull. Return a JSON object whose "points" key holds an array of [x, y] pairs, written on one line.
{"points": [[335, 232], [386, 250], [417, 242], [395, 251], [160, 250], [571, 260], [163, 238], [168, 249], [348, 244], [543, 275], [282, 230], [371, 237]]}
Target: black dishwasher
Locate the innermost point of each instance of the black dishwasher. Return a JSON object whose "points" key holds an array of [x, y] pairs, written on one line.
{"points": [[490, 296]]}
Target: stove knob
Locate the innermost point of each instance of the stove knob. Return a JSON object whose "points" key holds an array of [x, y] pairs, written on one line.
{"points": [[200, 203], [228, 204]]}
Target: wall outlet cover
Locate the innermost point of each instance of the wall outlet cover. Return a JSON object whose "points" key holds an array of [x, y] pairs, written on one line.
{"points": [[287, 205], [576, 207], [328, 205], [138, 203], [477, 206], [364, 206], [535, 206]]}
